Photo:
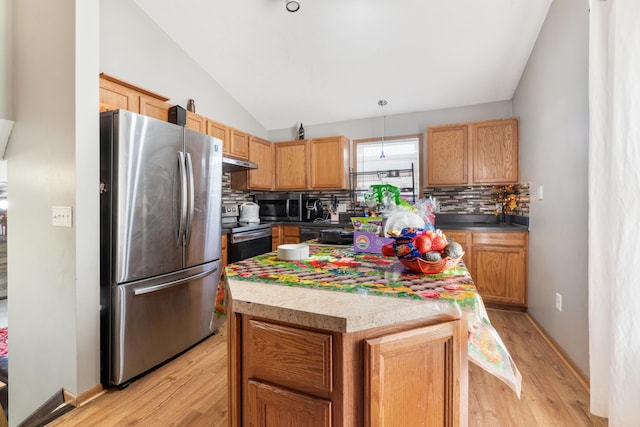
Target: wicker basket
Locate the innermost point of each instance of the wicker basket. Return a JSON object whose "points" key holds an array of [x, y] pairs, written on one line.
{"points": [[431, 267]]}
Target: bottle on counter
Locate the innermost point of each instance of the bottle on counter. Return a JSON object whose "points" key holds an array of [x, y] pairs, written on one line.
{"points": [[191, 105], [301, 132]]}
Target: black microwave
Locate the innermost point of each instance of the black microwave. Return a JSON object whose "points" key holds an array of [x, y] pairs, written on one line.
{"points": [[280, 206]]}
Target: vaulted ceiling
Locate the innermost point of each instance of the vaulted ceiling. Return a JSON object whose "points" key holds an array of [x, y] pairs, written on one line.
{"points": [[334, 59]]}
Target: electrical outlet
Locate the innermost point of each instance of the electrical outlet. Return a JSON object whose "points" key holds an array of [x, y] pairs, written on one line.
{"points": [[342, 207], [61, 216], [540, 192], [558, 302]]}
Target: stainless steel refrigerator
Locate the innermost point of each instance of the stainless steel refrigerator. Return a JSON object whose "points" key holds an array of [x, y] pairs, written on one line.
{"points": [[160, 198]]}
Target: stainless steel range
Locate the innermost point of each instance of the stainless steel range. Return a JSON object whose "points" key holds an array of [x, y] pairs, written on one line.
{"points": [[244, 240]]}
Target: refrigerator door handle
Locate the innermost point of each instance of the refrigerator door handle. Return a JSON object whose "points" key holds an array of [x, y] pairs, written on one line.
{"points": [[162, 286], [190, 211], [183, 196]]}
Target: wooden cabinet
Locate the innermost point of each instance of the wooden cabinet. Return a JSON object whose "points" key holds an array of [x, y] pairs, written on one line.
{"points": [[291, 165], [118, 94], [473, 153], [498, 264], [290, 234], [196, 122], [220, 131], [447, 155], [416, 376], [281, 374], [239, 144], [224, 258], [276, 237], [329, 163], [499, 267], [260, 153], [495, 152]]}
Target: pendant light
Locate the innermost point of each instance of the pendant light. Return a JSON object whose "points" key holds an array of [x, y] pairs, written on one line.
{"points": [[382, 103], [292, 6]]}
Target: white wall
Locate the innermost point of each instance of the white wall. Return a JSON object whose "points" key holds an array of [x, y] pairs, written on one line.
{"points": [[6, 72], [53, 286], [135, 49], [398, 124], [552, 103]]}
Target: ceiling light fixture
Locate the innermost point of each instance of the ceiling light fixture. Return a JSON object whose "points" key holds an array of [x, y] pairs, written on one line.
{"points": [[382, 103], [292, 5]]}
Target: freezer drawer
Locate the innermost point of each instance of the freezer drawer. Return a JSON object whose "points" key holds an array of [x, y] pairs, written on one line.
{"points": [[155, 319]]}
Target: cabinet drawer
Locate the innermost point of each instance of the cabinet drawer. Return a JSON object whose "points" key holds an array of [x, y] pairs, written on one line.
{"points": [[506, 238], [291, 357], [462, 237]]}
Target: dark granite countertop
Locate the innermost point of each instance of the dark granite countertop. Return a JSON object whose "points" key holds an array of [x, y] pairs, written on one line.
{"points": [[481, 222], [443, 221]]}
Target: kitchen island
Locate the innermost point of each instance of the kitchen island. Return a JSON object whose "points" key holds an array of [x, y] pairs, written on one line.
{"points": [[351, 339]]}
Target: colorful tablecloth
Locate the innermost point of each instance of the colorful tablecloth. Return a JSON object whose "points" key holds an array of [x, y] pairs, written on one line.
{"points": [[339, 268]]}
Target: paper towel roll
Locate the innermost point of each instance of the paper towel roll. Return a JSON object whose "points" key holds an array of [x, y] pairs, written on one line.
{"points": [[293, 252]]}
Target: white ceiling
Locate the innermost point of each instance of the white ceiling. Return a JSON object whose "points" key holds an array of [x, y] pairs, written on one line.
{"points": [[334, 59]]}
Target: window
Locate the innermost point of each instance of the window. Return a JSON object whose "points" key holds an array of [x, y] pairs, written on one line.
{"points": [[401, 153]]}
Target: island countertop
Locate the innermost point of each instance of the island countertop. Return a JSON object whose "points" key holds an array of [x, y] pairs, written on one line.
{"points": [[339, 290], [333, 311]]}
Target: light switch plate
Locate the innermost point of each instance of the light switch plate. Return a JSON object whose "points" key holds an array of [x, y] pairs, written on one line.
{"points": [[540, 192], [61, 216]]}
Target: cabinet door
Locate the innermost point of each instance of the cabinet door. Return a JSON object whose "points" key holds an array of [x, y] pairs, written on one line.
{"points": [[291, 165], [272, 406], [495, 152], [329, 158], [196, 122], [276, 237], [239, 145], [448, 155], [499, 266], [223, 248], [218, 130], [290, 234], [118, 97], [417, 376], [155, 108], [261, 153]]}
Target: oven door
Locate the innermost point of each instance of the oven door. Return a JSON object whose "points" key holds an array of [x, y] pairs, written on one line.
{"points": [[247, 244]]}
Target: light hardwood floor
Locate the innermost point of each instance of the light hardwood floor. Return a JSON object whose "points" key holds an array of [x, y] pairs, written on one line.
{"points": [[191, 389]]}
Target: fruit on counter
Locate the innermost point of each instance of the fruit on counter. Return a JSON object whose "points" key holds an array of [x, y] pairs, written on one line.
{"points": [[432, 256], [452, 250], [387, 250], [422, 243], [438, 243]]}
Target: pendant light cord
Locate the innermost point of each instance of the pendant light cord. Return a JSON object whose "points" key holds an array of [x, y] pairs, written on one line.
{"points": [[382, 103]]}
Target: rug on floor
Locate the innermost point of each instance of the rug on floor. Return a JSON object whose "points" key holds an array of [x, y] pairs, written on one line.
{"points": [[4, 335]]}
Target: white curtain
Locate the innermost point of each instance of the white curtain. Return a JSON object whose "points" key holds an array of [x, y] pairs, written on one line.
{"points": [[614, 210]]}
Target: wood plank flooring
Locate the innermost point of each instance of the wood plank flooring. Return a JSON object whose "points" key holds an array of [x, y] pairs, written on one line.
{"points": [[191, 390]]}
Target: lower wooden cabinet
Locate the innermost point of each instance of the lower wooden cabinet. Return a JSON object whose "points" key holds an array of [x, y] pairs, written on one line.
{"points": [[276, 237], [290, 234], [272, 406], [498, 263], [224, 258], [412, 373]]}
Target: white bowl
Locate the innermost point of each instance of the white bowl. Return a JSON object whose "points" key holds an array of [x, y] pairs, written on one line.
{"points": [[293, 252]]}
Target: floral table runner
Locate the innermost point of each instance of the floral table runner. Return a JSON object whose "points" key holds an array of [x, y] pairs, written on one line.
{"points": [[339, 268]]}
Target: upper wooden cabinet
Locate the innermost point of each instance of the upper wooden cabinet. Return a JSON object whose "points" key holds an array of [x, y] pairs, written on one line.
{"points": [[473, 153], [495, 152], [261, 153], [118, 94], [239, 144], [220, 131], [196, 122], [329, 163], [292, 162]]}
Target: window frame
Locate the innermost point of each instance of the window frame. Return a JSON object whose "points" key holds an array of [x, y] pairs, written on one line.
{"points": [[390, 140]]}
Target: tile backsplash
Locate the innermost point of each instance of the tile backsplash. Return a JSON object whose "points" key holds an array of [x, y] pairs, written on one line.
{"points": [[477, 199]]}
